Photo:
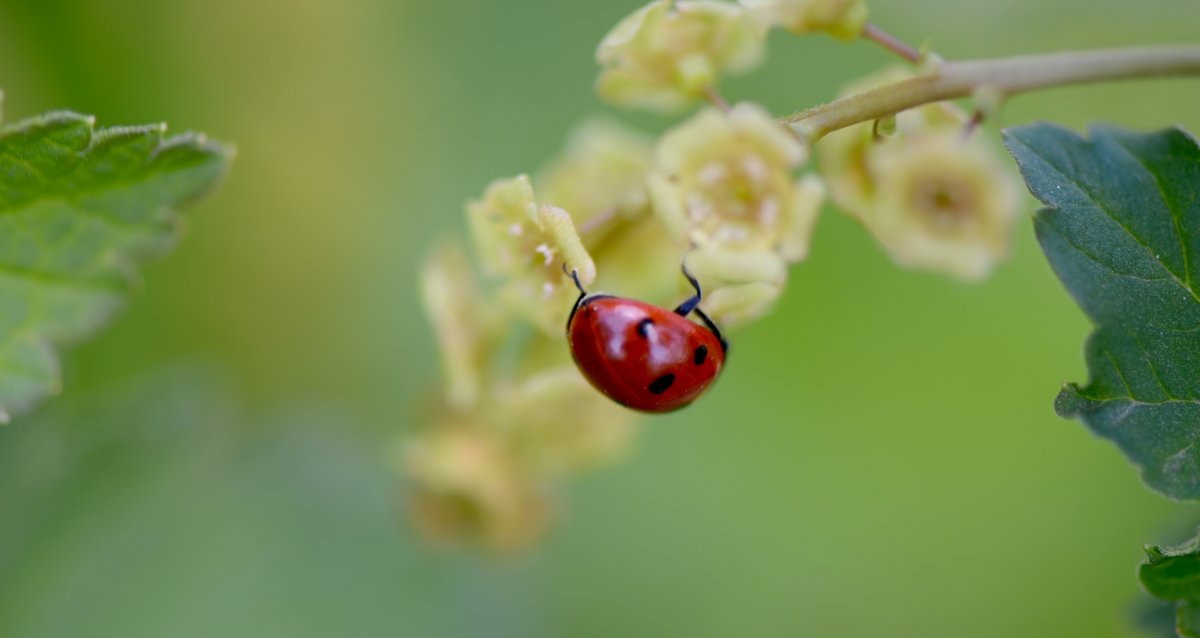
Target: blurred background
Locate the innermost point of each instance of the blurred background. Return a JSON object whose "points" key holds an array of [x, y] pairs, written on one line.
{"points": [[881, 458]]}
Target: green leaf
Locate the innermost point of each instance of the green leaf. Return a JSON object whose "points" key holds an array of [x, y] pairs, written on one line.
{"points": [[1122, 231], [1173, 574], [162, 508], [1187, 619], [1154, 617], [79, 209]]}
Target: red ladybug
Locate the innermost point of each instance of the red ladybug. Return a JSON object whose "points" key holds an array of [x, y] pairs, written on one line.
{"points": [[642, 356]]}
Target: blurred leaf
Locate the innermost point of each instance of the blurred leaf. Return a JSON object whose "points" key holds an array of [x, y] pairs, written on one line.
{"points": [[1155, 617], [79, 208], [1122, 232], [163, 510], [1187, 619], [1173, 574]]}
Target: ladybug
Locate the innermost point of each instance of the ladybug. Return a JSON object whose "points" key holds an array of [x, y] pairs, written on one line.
{"points": [[640, 355]]}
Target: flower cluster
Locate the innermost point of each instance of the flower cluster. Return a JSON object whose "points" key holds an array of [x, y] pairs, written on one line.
{"points": [[725, 183], [665, 55], [482, 469], [726, 191], [842, 19], [933, 197]]}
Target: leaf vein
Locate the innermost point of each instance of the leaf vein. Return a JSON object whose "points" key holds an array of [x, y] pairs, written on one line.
{"points": [[1176, 217], [1107, 213]]}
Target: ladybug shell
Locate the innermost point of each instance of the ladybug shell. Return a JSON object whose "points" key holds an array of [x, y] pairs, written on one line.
{"points": [[642, 356]]}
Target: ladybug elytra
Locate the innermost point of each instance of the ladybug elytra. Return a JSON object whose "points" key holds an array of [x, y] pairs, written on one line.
{"points": [[642, 356]]}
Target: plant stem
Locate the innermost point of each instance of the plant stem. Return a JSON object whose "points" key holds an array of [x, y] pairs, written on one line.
{"points": [[996, 78], [891, 43], [716, 99]]}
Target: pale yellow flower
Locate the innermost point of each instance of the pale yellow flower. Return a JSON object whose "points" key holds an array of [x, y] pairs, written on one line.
{"points": [[640, 259], [732, 306], [841, 155], [466, 487], [600, 178], [727, 181], [560, 423], [943, 203], [527, 246], [663, 55], [843, 19], [467, 326], [932, 197], [741, 286]]}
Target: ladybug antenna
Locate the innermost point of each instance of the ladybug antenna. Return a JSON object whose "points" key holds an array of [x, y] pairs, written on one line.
{"points": [[693, 305]]}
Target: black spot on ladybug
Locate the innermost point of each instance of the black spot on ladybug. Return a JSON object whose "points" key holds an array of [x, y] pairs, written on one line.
{"points": [[700, 355], [643, 328], [662, 383]]}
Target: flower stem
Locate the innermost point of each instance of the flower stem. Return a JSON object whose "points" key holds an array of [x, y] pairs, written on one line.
{"points": [[716, 99], [1002, 77], [890, 42]]}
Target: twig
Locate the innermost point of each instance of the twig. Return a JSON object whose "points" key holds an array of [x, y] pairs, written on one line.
{"points": [[890, 42], [1004, 77], [716, 99]]}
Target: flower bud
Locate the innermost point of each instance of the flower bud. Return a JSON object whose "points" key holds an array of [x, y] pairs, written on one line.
{"points": [[467, 327], [741, 286], [600, 178], [934, 199], [559, 423], [663, 55], [726, 181], [842, 19], [467, 488], [736, 305], [943, 203], [527, 246]]}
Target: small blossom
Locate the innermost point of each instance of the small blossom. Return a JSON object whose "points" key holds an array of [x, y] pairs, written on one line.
{"points": [[467, 487], [663, 55], [639, 259], [843, 155], [600, 178], [943, 204], [559, 423], [726, 180], [724, 267], [736, 305], [527, 245], [843, 19], [933, 199], [741, 286], [467, 327]]}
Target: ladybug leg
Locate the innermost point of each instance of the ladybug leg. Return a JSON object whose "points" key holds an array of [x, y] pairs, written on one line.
{"points": [[691, 304], [574, 275], [713, 328]]}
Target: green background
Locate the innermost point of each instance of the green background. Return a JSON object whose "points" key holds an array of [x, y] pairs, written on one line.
{"points": [[881, 458]]}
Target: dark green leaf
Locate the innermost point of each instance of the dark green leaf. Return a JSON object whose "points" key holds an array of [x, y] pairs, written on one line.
{"points": [[1155, 617], [163, 509], [1187, 619], [79, 209], [1173, 574], [1122, 231]]}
